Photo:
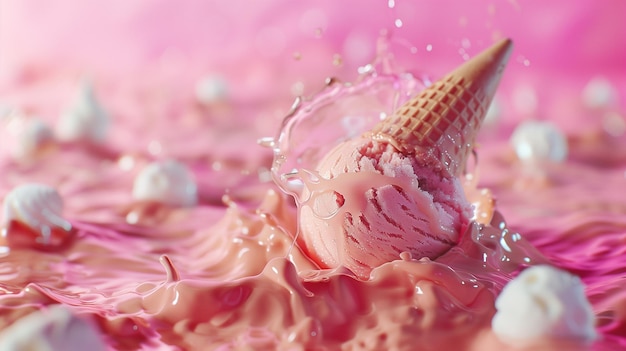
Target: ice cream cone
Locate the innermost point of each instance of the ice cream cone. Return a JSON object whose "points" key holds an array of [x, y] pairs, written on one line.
{"points": [[445, 118]]}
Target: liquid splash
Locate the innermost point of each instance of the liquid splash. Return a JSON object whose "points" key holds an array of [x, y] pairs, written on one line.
{"points": [[236, 278]]}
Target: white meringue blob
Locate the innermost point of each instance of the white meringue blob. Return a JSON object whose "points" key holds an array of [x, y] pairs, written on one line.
{"points": [[543, 302], [167, 182], [36, 205], [85, 119], [52, 329]]}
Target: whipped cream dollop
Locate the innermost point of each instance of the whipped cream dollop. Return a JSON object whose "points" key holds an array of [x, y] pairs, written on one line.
{"points": [[167, 182], [52, 329], [543, 302], [85, 119], [539, 141], [36, 205], [25, 136]]}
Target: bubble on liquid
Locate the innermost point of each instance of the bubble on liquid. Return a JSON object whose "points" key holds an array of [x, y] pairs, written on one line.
{"points": [[537, 141], [523, 60], [327, 204]]}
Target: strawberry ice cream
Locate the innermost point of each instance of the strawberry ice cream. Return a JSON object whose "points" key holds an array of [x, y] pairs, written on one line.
{"points": [[396, 189], [145, 216]]}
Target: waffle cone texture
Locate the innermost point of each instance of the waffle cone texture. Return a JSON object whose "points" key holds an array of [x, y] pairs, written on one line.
{"points": [[445, 118]]}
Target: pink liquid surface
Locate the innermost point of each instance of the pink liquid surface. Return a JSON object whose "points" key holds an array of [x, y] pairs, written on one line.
{"points": [[229, 274]]}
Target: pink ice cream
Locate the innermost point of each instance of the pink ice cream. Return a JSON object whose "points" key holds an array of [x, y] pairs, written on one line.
{"points": [[397, 189]]}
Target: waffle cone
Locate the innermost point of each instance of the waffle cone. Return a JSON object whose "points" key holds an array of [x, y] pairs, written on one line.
{"points": [[445, 118]]}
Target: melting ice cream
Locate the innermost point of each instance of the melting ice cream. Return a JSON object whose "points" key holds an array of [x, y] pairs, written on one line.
{"points": [[396, 189]]}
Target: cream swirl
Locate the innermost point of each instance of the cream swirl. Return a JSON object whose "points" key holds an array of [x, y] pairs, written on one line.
{"points": [[85, 119], [26, 136], [36, 205]]}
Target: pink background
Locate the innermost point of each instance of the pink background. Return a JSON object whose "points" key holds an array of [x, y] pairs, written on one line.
{"points": [[253, 45]]}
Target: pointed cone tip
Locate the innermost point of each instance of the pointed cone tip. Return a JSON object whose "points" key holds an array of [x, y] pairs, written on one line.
{"points": [[446, 116]]}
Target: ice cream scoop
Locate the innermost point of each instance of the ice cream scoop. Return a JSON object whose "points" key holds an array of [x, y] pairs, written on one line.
{"points": [[395, 188]]}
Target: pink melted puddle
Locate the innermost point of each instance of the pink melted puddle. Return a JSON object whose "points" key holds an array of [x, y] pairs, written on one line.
{"points": [[232, 276]]}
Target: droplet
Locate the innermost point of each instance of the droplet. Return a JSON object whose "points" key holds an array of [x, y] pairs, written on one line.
{"points": [[429, 47], [523, 60], [398, 23], [266, 142]]}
